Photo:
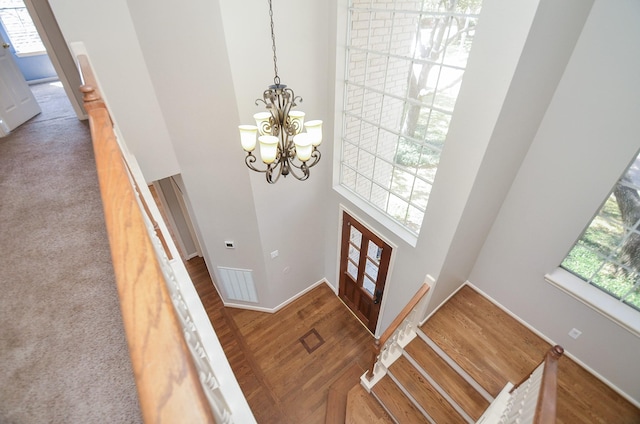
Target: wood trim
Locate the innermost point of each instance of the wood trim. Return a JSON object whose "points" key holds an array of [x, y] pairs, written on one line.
{"points": [[548, 394], [546, 406], [422, 291], [168, 385]]}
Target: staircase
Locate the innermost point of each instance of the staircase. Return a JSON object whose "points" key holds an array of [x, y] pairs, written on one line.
{"points": [[452, 367], [426, 385]]}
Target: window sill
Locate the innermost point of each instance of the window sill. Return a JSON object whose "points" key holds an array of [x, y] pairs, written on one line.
{"points": [[387, 222], [596, 299], [29, 54]]}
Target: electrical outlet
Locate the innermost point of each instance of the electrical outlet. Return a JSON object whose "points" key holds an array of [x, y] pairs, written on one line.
{"points": [[574, 333], [229, 244]]}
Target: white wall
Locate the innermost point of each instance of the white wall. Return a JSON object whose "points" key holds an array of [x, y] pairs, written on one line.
{"points": [[108, 34], [290, 214], [190, 60], [503, 97], [186, 55], [550, 156], [588, 136]]}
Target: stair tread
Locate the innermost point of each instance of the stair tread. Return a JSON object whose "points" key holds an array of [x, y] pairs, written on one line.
{"points": [[424, 393], [463, 393], [396, 403], [362, 408]]}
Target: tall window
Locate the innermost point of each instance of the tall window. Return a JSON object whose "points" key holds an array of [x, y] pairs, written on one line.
{"points": [[404, 69], [607, 255], [17, 22]]}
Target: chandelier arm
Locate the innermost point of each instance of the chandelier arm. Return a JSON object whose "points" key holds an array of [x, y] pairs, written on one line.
{"points": [[249, 160], [270, 170], [316, 157], [305, 171], [302, 167]]}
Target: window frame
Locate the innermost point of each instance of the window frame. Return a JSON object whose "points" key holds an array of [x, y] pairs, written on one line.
{"points": [[596, 299], [342, 26], [399, 229], [17, 44]]}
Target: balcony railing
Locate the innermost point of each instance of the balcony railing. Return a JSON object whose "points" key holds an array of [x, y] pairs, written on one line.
{"points": [[172, 345]]}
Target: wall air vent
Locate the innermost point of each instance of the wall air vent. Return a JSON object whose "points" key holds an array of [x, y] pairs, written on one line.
{"points": [[238, 284]]}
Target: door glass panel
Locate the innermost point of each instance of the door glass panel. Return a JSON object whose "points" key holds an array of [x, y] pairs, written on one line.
{"points": [[355, 237], [354, 254], [352, 270], [369, 285], [374, 251], [371, 269]]}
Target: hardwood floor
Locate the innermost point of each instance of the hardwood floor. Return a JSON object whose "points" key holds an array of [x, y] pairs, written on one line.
{"points": [[287, 361], [494, 348]]}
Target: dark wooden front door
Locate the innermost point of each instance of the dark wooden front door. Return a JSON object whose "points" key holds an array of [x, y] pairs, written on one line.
{"points": [[364, 263]]}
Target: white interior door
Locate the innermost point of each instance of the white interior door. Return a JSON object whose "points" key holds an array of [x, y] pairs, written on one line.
{"points": [[17, 104]]}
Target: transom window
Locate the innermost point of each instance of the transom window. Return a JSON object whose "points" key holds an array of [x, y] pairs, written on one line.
{"points": [[607, 255], [405, 63]]}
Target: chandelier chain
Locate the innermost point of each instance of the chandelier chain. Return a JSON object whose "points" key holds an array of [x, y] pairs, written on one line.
{"points": [[276, 79]]}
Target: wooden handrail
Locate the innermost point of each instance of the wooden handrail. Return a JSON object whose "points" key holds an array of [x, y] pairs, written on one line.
{"points": [[546, 406], [378, 343], [168, 385], [545, 412]]}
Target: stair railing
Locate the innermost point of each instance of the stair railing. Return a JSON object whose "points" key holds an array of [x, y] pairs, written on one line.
{"points": [[533, 400], [171, 342], [389, 346]]}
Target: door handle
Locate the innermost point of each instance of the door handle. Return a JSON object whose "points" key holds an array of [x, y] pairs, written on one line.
{"points": [[6, 45], [376, 298]]}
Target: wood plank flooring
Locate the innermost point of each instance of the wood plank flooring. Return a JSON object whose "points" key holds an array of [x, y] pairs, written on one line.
{"points": [[287, 361], [494, 348]]}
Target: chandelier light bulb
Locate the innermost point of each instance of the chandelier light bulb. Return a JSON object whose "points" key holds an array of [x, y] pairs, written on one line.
{"points": [[262, 122], [314, 129], [296, 119], [303, 146], [268, 148], [248, 137]]}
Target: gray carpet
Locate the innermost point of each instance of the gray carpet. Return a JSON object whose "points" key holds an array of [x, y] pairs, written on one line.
{"points": [[63, 354]]}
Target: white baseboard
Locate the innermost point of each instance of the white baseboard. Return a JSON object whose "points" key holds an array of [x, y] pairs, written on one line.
{"points": [[43, 80], [280, 306], [552, 343]]}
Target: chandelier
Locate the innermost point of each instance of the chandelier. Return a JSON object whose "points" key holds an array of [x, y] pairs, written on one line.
{"points": [[284, 148]]}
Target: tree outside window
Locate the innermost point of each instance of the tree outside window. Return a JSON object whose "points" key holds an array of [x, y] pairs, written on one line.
{"points": [[607, 255], [405, 64]]}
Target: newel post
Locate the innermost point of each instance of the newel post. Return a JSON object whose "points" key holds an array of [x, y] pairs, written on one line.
{"points": [[375, 352]]}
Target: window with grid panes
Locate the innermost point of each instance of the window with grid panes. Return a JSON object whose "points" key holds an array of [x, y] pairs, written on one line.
{"points": [[607, 255], [17, 22], [405, 63]]}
